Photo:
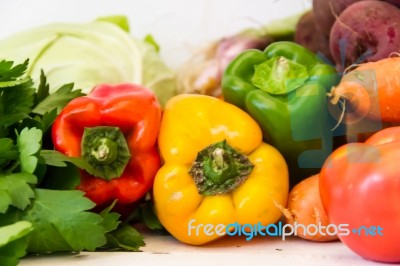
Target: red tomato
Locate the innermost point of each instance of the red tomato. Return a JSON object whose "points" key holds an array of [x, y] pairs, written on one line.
{"points": [[360, 186]]}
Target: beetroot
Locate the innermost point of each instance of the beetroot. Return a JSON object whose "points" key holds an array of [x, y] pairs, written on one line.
{"points": [[326, 11], [365, 31], [394, 2], [308, 36]]}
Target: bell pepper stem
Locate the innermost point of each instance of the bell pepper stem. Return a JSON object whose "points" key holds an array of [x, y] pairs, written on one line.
{"points": [[105, 149], [279, 75], [106, 152], [220, 169], [218, 156]]}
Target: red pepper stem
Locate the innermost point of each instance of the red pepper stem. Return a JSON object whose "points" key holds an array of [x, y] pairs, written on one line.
{"points": [[106, 150]]}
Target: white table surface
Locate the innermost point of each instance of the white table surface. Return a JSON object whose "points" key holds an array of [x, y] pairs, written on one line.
{"points": [[180, 27], [228, 251]]}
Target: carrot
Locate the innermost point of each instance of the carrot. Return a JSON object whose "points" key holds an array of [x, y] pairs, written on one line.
{"points": [[305, 208], [372, 90]]}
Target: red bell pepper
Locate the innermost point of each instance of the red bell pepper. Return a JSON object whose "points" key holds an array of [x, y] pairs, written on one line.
{"points": [[115, 129]]}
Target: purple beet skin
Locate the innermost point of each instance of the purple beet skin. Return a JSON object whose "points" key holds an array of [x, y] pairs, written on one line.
{"points": [[326, 11], [308, 36], [369, 29]]}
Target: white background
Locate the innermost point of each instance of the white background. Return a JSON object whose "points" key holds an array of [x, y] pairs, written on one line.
{"points": [[180, 27]]}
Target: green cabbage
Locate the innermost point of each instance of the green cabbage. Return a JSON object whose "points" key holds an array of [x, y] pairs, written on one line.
{"points": [[88, 54]]}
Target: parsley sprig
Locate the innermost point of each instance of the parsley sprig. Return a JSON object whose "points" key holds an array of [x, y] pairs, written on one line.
{"points": [[36, 217]]}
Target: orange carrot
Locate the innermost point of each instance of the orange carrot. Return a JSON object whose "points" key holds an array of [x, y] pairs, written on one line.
{"points": [[372, 90]]}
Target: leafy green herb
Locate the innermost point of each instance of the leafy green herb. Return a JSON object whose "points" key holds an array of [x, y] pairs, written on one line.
{"points": [[61, 178], [15, 103], [145, 214], [56, 158], [124, 237], [110, 219], [16, 190], [61, 222], [120, 235], [19, 100], [29, 144], [8, 151], [57, 100], [43, 89], [149, 217], [9, 72], [48, 119], [13, 242]]}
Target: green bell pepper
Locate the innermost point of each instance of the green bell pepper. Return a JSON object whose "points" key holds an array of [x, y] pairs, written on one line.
{"points": [[284, 89]]}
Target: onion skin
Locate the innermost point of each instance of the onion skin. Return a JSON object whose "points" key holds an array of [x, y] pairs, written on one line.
{"points": [[305, 207]]}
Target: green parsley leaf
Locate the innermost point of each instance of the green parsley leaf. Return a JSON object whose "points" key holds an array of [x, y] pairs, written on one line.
{"points": [[120, 236], [14, 83], [14, 231], [16, 94], [110, 219], [16, 191], [29, 143], [28, 122], [145, 213], [61, 222], [8, 72], [124, 237], [57, 100], [16, 103], [13, 242], [149, 217], [48, 119], [43, 89], [56, 158], [8, 151], [61, 178]]}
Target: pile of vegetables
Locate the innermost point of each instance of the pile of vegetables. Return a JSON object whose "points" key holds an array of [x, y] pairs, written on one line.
{"points": [[265, 129]]}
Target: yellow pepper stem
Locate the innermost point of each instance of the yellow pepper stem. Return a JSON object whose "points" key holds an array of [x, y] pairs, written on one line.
{"points": [[220, 169]]}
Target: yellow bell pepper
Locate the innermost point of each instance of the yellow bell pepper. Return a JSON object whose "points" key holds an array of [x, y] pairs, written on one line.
{"points": [[217, 171]]}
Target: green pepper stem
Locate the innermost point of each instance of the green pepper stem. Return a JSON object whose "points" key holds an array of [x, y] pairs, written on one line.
{"points": [[220, 169], [279, 75], [106, 150]]}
